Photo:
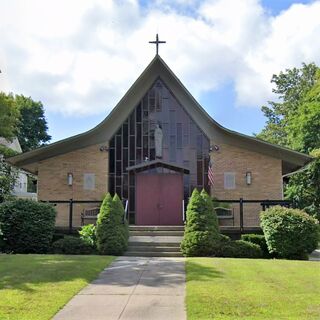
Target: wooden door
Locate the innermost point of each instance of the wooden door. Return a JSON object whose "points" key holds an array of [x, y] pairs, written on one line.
{"points": [[159, 199]]}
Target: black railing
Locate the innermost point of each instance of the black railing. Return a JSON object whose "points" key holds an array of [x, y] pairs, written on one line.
{"points": [[265, 204], [71, 202]]}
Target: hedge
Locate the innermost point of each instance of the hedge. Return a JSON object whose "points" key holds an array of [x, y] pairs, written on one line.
{"points": [[260, 240], [72, 245], [241, 249], [27, 226]]}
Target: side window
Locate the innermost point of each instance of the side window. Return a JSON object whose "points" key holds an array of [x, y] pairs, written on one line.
{"points": [[229, 180], [88, 181]]}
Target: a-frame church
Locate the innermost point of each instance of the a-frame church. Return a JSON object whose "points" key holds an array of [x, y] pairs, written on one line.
{"points": [[153, 149]]}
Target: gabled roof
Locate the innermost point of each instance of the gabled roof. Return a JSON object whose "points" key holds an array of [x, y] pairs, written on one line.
{"points": [[158, 163], [105, 130]]}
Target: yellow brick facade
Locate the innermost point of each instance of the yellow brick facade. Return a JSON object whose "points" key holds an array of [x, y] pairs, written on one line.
{"points": [[53, 184], [266, 179]]}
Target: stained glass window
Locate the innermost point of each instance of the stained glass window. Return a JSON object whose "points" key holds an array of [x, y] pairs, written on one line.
{"points": [[183, 144]]}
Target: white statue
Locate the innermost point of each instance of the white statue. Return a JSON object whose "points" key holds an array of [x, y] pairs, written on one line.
{"points": [[158, 137]]}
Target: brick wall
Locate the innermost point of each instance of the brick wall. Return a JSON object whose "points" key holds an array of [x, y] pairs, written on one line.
{"points": [[266, 179], [53, 185]]}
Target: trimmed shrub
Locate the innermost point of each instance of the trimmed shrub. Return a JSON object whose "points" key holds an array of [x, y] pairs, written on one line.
{"points": [[260, 240], [119, 209], [27, 226], [110, 229], [241, 249], [219, 245], [290, 233], [202, 230], [71, 245], [88, 235]]}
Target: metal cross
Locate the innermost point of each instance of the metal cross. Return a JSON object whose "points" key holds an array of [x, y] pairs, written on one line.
{"points": [[157, 43]]}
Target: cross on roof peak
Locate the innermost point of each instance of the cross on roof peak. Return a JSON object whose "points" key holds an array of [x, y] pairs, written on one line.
{"points": [[156, 42]]}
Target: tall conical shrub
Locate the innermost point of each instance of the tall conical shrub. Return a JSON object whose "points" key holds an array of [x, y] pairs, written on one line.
{"points": [[124, 227], [110, 237], [212, 218], [201, 230]]}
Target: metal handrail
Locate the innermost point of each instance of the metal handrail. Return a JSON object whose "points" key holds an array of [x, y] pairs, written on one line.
{"points": [[183, 212], [125, 217]]}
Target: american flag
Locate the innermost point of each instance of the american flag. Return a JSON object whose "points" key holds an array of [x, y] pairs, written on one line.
{"points": [[210, 174]]}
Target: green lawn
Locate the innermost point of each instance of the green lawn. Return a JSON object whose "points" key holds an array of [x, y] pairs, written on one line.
{"points": [[252, 289], [37, 286]]}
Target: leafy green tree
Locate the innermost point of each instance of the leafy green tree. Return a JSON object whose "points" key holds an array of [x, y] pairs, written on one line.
{"points": [[304, 126], [292, 87], [32, 128], [304, 187], [294, 121], [8, 174], [9, 116]]}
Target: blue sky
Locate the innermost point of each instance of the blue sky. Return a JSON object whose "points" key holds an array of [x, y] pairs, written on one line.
{"points": [[224, 52]]}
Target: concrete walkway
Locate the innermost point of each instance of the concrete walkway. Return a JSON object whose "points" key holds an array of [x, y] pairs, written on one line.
{"points": [[132, 288]]}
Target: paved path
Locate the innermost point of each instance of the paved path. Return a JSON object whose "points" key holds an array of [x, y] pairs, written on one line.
{"points": [[132, 288]]}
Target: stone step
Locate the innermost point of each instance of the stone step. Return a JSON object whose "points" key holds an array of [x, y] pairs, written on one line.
{"points": [[156, 233], [154, 244], [153, 254], [156, 228], [153, 248]]}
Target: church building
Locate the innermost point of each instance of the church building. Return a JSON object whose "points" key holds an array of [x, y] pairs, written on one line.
{"points": [[153, 149]]}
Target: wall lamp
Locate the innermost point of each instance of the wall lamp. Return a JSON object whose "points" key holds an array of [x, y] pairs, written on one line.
{"points": [[104, 148], [70, 179], [248, 178], [214, 148]]}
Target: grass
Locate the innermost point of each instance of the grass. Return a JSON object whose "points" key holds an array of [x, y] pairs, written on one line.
{"points": [[37, 286], [252, 289]]}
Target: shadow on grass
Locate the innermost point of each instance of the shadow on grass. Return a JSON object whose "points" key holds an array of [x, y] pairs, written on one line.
{"points": [[23, 272], [199, 272]]}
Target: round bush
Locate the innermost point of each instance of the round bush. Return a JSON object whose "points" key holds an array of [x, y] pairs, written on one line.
{"points": [[27, 226], [202, 229], [241, 249], [290, 233], [111, 237], [71, 245]]}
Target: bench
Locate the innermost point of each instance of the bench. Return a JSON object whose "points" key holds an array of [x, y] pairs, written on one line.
{"points": [[225, 213], [89, 214]]}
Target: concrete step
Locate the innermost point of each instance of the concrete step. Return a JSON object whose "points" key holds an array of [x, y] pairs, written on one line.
{"points": [[153, 248], [156, 233], [156, 228], [154, 244], [153, 254]]}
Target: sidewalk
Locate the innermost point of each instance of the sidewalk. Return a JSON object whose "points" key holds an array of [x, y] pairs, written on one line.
{"points": [[132, 288]]}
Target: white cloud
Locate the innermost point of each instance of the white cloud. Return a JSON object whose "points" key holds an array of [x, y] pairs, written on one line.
{"points": [[79, 57]]}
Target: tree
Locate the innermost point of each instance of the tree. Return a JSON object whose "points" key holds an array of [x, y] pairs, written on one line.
{"points": [[9, 116], [304, 126], [292, 87], [32, 128], [8, 174], [23, 117], [294, 122], [304, 187]]}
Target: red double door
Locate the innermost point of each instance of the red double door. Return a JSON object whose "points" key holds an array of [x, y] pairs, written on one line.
{"points": [[159, 199]]}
